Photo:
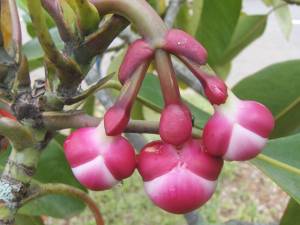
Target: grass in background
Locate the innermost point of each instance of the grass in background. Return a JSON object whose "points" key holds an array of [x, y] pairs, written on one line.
{"points": [[243, 193]]}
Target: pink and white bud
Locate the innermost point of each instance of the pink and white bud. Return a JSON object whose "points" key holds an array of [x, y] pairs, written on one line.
{"points": [[98, 161], [137, 53], [178, 42], [175, 125], [178, 181], [238, 130]]}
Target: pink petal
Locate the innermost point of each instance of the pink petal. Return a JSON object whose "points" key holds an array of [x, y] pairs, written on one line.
{"points": [[179, 191]]}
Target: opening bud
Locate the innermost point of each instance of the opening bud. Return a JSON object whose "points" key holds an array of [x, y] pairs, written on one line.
{"points": [[178, 181], [99, 161], [238, 130]]}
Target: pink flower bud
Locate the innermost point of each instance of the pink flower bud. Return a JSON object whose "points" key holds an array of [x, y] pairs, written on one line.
{"points": [[238, 130], [99, 161], [116, 120], [178, 180], [138, 53], [215, 90], [175, 125], [180, 43]]}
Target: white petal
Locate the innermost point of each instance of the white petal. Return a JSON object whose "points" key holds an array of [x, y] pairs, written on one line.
{"points": [[243, 142]]}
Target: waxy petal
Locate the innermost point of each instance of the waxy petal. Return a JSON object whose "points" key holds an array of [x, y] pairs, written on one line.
{"points": [[138, 53], [180, 191], [180, 43]]}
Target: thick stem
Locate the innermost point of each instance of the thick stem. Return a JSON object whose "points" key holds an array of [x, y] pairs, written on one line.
{"points": [[117, 117], [62, 189], [99, 41], [69, 72], [20, 136], [140, 13], [15, 180], [167, 77], [131, 88], [59, 121], [52, 7], [22, 81]]}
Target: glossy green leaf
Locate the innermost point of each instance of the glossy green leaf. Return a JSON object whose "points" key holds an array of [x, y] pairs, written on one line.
{"points": [[189, 16], [291, 213], [150, 92], [248, 29], [280, 161], [28, 220], [217, 26], [276, 86]]}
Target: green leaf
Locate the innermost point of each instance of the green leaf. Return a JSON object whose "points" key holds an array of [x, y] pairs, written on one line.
{"points": [[150, 92], [276, 86], [218, 22], [291, 213], [28, 220], [189, 16], [53, 168], [280, 161], [248, 29]]}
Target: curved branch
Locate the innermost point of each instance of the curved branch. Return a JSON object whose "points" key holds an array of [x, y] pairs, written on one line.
{"points": [[63, 189], [98, 42], [140, 13], [52, 7], [92, 89], [20, 136]]}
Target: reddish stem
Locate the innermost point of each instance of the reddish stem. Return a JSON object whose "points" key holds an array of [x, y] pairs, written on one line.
{"points": [[117, 117], [167, 77], [140, 13]]}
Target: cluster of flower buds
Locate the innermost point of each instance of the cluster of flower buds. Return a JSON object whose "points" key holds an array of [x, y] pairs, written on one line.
{"points": [[179, 172]]}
